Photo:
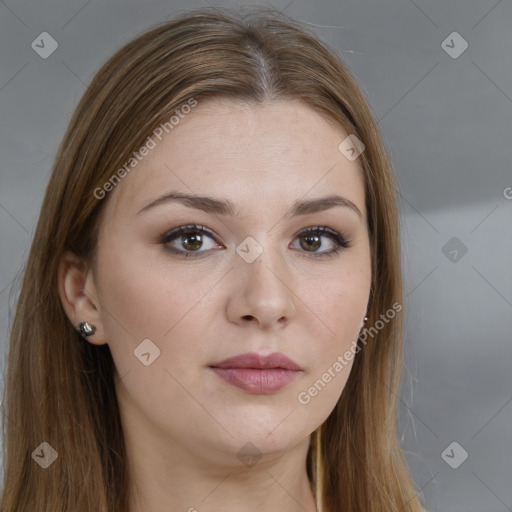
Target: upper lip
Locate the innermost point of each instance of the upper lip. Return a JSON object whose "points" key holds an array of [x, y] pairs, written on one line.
{"points": [[258, 361]]}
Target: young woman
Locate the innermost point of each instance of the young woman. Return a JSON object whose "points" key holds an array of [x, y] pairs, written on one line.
{"points": [[210, 316]]}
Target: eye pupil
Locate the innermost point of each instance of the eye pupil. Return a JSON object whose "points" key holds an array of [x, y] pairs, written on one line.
{"points": [[195, 244], [311, 240]]}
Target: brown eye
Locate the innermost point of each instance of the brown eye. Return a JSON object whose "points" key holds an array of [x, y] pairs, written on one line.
{"points": [[187, 240], [192, 242], [311, 241]]}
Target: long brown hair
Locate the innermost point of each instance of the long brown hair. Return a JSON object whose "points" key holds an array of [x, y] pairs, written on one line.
{"points": [[60, 389]]}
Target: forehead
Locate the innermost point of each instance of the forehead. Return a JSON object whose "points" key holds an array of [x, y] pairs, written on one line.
{"points": [[266, 154]]}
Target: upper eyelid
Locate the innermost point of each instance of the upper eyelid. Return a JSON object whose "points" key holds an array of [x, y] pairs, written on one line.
{"points": [[199, 228], [336, 236]]}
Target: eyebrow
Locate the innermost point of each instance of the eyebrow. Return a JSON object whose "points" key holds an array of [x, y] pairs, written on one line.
{"points": [[226, 207]]}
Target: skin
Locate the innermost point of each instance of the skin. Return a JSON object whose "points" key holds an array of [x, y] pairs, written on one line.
{"points": [[183, 424]]}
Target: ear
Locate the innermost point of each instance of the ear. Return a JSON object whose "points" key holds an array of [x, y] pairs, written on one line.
{"points": [[78, 296]]}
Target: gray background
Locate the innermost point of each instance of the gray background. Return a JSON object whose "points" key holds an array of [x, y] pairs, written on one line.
{"points": [[447, 123]]}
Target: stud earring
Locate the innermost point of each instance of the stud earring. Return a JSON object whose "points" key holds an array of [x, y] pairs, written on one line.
{"points": [[86, 329]]}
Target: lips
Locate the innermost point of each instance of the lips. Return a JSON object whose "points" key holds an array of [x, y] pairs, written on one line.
{"points": [[256, 373], [257, 361]]}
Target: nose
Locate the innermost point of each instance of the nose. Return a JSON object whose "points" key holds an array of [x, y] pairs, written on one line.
{"points": [[263, 291]]}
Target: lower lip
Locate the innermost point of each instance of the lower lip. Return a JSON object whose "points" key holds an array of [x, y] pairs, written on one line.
{"points": [[256, 381]]}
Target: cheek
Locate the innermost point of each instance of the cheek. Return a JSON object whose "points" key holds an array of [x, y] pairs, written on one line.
{"points": [[333, 355], [141, 287], [318, 397], [140, 301], [338, 305], [339, 301], [340, 314], [152, 317]]}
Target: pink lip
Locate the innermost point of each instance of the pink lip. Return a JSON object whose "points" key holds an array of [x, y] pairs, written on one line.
{"points": [[258, 374]]}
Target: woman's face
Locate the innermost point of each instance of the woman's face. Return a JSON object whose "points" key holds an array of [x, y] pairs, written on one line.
{"points": [[253, 280]]}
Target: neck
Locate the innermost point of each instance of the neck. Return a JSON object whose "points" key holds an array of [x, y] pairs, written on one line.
{"points": [[187, 484]]}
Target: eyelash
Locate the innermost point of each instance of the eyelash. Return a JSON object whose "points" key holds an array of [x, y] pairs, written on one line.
{"points": [[340, 241]]}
